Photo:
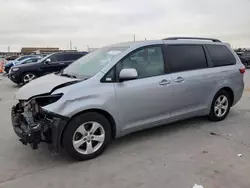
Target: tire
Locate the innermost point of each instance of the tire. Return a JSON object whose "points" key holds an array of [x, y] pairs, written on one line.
{"points": [[214, 114], [77, 137], [31, 75], [7, 69]]}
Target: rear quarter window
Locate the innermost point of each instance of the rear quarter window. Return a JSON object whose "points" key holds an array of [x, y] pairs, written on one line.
{"points": [[220, 55]]}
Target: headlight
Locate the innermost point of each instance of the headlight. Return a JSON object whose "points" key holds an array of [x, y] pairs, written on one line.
{"points": [[14, 69], [49, 99]]}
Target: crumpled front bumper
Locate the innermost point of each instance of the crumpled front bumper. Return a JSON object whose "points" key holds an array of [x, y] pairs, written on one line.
{"points": [[48, 129]]}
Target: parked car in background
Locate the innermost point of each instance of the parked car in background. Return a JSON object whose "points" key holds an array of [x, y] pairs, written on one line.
{"points": [[9, 64], [245, 60], [51, 63], [123, 88], [11, 58], [28, 60]]}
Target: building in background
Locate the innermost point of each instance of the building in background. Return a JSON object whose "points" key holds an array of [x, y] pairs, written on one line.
{"points": [[37, 50]]}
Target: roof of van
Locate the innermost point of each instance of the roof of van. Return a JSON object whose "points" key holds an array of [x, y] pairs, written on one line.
{"points": [[173, 40]]}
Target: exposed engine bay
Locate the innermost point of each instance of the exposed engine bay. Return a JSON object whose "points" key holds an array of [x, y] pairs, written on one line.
{"points": [[34, 125]]}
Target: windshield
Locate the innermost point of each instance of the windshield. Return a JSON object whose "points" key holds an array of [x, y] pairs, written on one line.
{"points": [[93, 62], [28, 60], [24, 60], [21, 62], [24, 57], [19, 58], [46, 57]]}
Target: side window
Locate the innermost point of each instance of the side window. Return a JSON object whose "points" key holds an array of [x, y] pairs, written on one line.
{"points": [[185, 57], [110, 77], [56, 58], [67, 57], [148, 62], [77, 56], [220, 55]]}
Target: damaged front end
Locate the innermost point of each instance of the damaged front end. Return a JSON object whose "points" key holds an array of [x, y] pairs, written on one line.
{"points": [[34, 125]]}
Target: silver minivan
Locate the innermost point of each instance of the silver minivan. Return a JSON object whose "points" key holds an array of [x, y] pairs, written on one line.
{"points": [[127, 87]]}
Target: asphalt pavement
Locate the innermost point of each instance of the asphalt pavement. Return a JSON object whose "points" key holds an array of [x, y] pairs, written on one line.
{"points": [[196, 151]]}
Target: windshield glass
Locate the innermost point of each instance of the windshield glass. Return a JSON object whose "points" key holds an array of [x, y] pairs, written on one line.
{"points": [[24, 57], [93, 62], [46, 57], [24, 60], [19, 58]]}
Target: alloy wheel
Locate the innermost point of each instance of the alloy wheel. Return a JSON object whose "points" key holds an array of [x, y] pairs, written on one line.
{"points": [[88, 138], [221, 106], [28, 77]]}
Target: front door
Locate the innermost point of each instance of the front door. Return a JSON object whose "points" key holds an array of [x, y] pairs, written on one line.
{"points": [[144, 102], [56, 64]]}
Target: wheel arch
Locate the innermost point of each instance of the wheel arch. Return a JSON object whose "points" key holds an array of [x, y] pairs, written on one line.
{"points": [[26, 72], [31, 71], [230, 91], [106, 114]]}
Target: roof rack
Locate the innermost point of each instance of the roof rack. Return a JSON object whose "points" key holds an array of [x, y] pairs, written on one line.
{"points": [[192, 38]]}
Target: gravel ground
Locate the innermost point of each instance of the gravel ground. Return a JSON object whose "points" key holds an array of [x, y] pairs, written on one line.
{"points": [[175, 156]]}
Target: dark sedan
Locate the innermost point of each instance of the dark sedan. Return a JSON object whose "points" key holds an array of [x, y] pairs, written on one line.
{"points": [[55, 62]]}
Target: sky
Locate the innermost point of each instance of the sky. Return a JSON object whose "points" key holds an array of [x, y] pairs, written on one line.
{"points": [[96, 23]]}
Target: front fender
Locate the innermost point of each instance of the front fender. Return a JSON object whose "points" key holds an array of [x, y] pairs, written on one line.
{"points": [[72, 103]]}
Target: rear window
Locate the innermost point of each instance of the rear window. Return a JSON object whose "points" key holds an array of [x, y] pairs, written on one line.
{"points": [[185, 57], [221, 55]]}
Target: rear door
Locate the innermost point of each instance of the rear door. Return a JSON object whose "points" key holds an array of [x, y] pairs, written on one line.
{"points": [[188, 66], [224, 71], [70, 58]]}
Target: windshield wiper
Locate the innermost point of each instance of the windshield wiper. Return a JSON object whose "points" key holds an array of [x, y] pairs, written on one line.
{"points": [[68, 75]]}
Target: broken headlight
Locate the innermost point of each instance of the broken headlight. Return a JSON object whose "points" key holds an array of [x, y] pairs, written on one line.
{"points": [[48, 99]]}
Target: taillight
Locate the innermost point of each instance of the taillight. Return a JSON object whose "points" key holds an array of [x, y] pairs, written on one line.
{"points": [[242, 70]]}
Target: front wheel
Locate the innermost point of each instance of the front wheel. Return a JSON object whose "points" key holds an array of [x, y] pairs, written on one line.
{"points": [[27, 77], [220, 106], [86, 136]]}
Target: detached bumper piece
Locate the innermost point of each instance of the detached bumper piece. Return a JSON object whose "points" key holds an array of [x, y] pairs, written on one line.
{"points": [[33, 125]]}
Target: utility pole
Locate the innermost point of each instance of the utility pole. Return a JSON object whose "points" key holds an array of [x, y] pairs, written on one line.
{"points": [[70, 44], [134, 37], [8, 49]]}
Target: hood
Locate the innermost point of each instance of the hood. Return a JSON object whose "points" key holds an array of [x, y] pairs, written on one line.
{"points": [[42, 85]]}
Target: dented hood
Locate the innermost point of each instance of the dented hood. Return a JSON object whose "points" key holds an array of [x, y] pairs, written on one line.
{"points": [[42, 85]]}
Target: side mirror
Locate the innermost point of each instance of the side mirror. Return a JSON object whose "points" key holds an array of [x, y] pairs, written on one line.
{"points": [[128, 74], [47, 61]]}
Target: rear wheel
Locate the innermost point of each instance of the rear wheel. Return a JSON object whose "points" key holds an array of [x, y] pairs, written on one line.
{"points": [[86, 136], [220, 106], [27, 77]]}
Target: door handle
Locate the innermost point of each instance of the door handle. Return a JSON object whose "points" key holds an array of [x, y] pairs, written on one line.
{"points": [[179, 80], [61, 63], [164, 82]]}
